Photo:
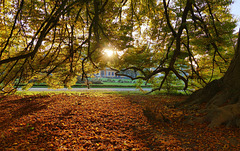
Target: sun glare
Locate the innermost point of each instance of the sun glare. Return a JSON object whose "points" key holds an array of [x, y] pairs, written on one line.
{"points": [[108, 52]]}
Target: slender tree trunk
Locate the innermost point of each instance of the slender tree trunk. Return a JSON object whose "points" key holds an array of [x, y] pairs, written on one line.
{"points": [[222, 96]]}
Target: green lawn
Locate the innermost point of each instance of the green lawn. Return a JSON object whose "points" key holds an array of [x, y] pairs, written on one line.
{"points": [[122, 84], [106, 82], [104, 85], [79, 93]]}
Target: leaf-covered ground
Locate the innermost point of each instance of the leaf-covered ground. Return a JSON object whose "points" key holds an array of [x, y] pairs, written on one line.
{"points": [[105, 122]]}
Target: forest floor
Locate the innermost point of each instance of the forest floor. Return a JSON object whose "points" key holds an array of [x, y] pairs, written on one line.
{"points": [[105, 122]]}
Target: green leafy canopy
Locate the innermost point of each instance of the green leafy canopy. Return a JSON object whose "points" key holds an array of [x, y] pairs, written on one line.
{"points": [[57, 41]]}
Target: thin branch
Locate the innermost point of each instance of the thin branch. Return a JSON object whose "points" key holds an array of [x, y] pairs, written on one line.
{"points": [[13, 27], [213, 20], [168, 20]]}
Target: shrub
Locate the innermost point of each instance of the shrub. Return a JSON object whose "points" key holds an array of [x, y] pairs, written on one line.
{"points": [[96, 81]]}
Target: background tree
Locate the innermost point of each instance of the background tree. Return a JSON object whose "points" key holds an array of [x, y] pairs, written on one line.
{"points": [[55, 41]]}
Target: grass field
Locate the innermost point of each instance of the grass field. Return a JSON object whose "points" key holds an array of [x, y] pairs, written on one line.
{"points": [[106, 83], [121, 83]]}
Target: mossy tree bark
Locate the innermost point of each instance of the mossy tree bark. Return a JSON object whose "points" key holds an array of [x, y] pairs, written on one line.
{"points": [[222, 96]]}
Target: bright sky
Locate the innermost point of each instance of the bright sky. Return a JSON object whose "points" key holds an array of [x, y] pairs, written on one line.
{"points": [[235, 10]]}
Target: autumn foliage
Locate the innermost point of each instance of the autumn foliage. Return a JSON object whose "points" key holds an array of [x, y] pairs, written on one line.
{"points": [[106, 122]]}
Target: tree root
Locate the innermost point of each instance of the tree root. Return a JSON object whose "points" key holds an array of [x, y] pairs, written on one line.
{"points": [[203, 95], [228, 115], [222, 104]]}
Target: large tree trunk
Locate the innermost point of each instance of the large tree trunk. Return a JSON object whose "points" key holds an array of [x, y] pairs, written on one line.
{"points": [[222, 96]]}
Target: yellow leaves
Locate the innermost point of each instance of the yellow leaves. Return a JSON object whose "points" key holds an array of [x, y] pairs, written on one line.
{"points": [[9, 88], [28, 86], [51, 145]]}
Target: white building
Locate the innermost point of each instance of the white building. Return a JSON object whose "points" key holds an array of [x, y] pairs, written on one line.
{"points": [[107, 73]]}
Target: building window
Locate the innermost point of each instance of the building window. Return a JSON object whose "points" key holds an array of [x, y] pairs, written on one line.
{"points": [[112, 73], [102, 73], [109, 73]]}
